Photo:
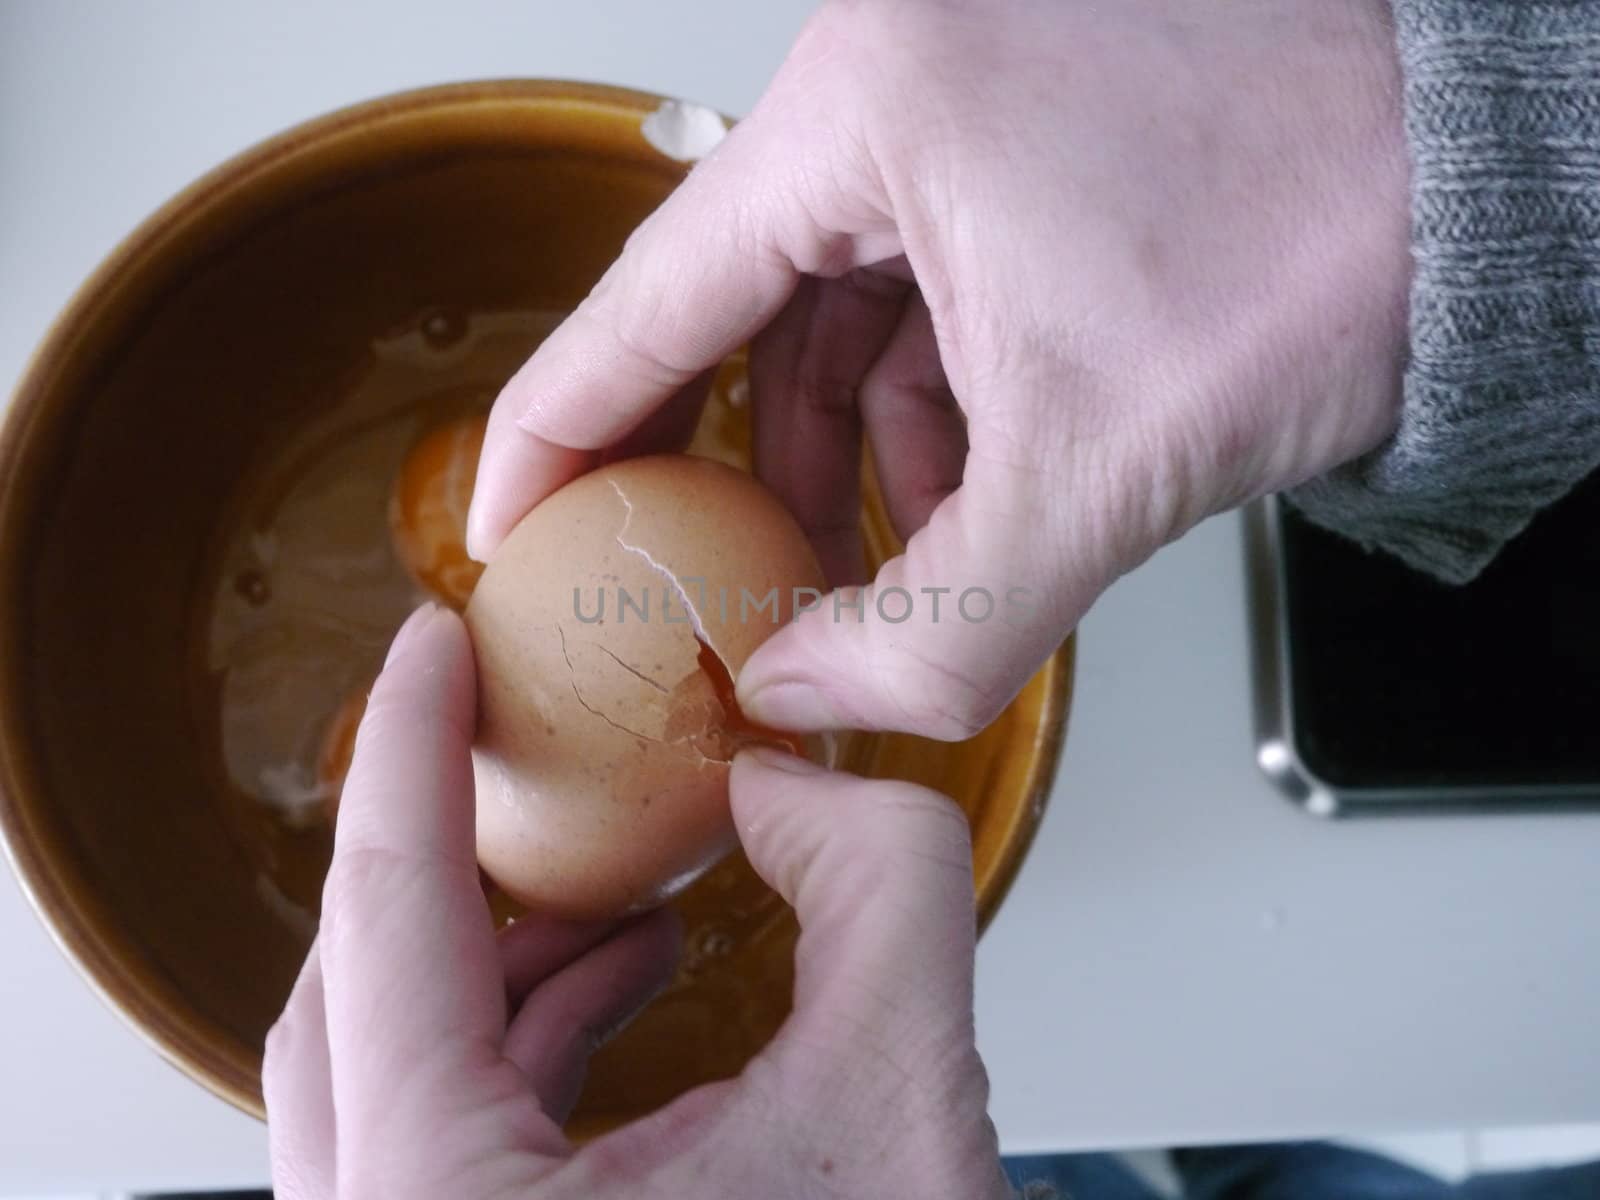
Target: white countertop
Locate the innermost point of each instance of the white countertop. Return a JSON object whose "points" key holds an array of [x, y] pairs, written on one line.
{"points": [[1185, 956]]}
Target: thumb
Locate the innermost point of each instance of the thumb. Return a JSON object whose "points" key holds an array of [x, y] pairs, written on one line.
{"points": [[879, 873], [880, 876], [943, 638]]}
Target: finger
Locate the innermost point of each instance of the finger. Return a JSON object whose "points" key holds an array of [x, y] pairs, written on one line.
{"points": [[298, 1088], [947, 633], [516, 470], [880, 877], [571, 1014], [412, 975], [914, 426], [686, 291], [806, 368], [534, 947], [708, 269], [667, 430], [522, 462]]}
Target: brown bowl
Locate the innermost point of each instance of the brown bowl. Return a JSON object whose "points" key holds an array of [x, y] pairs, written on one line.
{"points": [[233, 316]]}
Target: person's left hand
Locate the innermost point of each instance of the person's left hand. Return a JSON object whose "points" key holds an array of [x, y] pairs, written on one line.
{"points": [[422, 1055]]}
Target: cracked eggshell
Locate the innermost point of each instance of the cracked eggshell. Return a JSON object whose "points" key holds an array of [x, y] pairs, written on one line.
{"points": [[602, 749]]}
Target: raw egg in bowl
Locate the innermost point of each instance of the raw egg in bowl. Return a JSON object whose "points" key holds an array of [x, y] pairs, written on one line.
{"points": [[232, 469]]}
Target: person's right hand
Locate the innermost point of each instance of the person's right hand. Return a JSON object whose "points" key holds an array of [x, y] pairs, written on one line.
{"points": [[1086, 274]]}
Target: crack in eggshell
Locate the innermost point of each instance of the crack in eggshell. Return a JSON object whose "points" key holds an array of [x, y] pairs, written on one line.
{"points": [[691, 718], [724, 730], [634, 671], [694, 718], [668, 574], [611, 741], [577, 692]]}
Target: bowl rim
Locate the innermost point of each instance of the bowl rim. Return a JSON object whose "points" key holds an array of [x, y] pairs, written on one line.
{"points": [[1050, 735], [133, 990]]}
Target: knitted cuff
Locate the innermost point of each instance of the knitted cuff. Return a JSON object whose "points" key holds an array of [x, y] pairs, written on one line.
{"points": [[1502, 391]]}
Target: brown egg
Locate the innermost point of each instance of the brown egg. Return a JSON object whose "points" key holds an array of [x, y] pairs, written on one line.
{"points": [[608, 630], [428, 508]]}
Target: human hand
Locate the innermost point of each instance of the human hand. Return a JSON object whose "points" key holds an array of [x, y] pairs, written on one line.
{"points": [[422, 1055], [1084, 273]]}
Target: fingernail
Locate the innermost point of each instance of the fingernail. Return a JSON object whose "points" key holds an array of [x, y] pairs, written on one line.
{"points": [[415, 624], [791, 705], [483, 532], [478, 542], [782, 760]]}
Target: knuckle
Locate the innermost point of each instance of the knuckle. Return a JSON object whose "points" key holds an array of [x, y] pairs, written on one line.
{"points": [[936, 698], [274, 1060], [658, 337], [357, 881], [280, 1038]]}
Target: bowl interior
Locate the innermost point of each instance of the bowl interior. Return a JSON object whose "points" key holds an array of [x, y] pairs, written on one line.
{"points": [[242, 312]]}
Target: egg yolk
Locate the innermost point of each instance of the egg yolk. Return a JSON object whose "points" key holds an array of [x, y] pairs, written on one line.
{"points": [[338, 748], [428, 508]]}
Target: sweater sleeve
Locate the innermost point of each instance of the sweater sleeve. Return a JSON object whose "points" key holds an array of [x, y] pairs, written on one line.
{"points": [[1501, 414]]}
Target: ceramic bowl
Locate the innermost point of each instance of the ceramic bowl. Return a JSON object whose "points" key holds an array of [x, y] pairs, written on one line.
{"points": [[214, 328]]}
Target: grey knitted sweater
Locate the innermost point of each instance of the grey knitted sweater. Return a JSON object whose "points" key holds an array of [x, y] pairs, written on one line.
{"points": [[1502, 391]]}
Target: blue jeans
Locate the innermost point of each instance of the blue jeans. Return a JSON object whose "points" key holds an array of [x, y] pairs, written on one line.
{"points": [[1297, 1171]]}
